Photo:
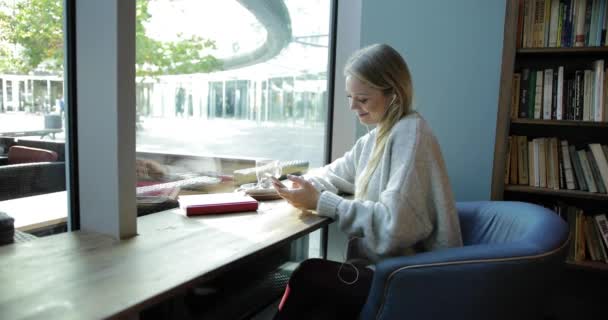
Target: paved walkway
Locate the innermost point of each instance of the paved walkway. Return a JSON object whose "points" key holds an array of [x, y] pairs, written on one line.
{"points": [[233, 138]]}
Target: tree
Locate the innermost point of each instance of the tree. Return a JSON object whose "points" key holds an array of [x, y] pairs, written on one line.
{"points": [[36, 27]]}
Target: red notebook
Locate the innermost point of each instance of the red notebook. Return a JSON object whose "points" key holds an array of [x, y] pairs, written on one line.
{"points": [[201, 204]]}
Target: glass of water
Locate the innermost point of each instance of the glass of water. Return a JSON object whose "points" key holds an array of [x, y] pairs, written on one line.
{"points": [[264, 170]]}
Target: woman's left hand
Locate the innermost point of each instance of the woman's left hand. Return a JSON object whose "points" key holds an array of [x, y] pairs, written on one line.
{"points": [[303, 195]]}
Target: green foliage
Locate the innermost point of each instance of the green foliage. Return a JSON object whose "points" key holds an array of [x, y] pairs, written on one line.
{"points": [[36, 27]]}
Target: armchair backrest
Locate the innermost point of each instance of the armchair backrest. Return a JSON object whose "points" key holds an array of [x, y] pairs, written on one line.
{"points": [[531, 227], [512, 254]]}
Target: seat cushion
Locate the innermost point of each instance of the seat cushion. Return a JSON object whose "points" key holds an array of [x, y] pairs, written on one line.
{"points": [[22, 154]]}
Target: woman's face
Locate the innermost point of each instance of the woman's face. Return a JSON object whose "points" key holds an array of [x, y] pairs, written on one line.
{"points": [[369, 103]]}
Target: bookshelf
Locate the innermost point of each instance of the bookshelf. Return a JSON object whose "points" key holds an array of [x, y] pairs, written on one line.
{"points": [[572, 63]]}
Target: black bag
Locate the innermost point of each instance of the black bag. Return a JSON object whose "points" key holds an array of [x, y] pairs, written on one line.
{"points": [[323, 289]]}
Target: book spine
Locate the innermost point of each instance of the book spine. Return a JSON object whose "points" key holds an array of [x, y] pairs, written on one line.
{"points": [[602, 225], [601, 161], [582, 155], [554, 95], [515, 95], [559, 95], [547, 94], [523, 94], [595, 172], [556, 163], [578, 170], [587, 25], [523, 166], [579, 29], [542, 162], [600, 242], [533, 163], [598, 94], [553, 23], [578, 94], [538, 95], [532, 94], [568, 33], [520, 23], [568, 171]]}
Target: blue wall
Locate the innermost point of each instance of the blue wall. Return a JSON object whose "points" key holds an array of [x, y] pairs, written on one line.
{"points": [[454, 51]]}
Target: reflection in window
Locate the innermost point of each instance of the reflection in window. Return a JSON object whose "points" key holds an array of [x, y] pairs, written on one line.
{"points": [[255, 88], [32, 116]]}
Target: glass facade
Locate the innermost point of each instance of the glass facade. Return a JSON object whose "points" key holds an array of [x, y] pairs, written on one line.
{"points": [[257, 88], [32, 115]]}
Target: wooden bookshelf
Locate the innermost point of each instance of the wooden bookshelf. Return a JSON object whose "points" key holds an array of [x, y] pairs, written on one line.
{"points": [[579, 134], [587, 265], [556, 193], [562, 123], [560, 51]]}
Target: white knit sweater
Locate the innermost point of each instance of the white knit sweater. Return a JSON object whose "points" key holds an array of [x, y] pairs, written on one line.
{"points": [[409, 200]]}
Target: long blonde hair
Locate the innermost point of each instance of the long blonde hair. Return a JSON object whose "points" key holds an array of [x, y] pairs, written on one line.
{"points": [[382, 67]]}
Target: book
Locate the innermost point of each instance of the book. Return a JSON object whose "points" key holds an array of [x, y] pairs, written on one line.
{"points": [[559, 100], [568, 170], [547, 101], [602, 226], [522, 159], [582, 155], [538, 95], [579, 23], [601, 162], [598, 94], [595, 172], [532, 163], [578, 169], [524, 88], [515, 96], [215, 203], [600, 242]]}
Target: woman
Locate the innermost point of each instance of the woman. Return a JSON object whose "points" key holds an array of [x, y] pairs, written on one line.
{"points": [[403, 202]]}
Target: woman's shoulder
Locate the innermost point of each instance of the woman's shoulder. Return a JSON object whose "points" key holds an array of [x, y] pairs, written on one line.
{"points": [[412, 124]]}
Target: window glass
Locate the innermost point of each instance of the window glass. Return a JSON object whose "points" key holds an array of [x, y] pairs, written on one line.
{"points": [[32, 116], [221, 84]]}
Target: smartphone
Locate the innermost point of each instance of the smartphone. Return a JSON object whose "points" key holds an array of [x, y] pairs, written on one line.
{"points": [[278, 182]]}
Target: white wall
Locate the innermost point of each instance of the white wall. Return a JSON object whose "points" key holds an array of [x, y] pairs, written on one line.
{"points": [[454, 50]]}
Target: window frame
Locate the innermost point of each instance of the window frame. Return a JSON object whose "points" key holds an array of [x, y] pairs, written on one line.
{"points": [[84, 211]]}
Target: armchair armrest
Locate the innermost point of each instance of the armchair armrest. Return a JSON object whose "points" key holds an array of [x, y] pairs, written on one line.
{"points": [[448, 280]]}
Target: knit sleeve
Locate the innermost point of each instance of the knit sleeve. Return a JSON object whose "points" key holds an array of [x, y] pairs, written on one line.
{"points": [[338, 176], [399, 218]]}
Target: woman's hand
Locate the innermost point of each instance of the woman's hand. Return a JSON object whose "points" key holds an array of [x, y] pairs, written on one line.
{"points": [[303, 195]]}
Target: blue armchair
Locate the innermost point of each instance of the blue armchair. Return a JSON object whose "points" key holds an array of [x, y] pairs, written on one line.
{"points": [[512, 254]]}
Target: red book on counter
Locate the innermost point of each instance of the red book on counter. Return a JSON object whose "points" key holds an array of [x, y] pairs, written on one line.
{"points": [[202, 204]]}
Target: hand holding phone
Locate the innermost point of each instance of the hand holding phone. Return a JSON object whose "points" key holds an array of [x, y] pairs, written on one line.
{"points": [[277, 183]]}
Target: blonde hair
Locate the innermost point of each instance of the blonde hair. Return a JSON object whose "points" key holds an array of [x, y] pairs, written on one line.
{"points": [[382, 67]]}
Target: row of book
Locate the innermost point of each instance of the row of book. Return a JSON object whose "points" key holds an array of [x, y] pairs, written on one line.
{"points": [[588, 234], [561, 23], [554, 164], [552, 94]]}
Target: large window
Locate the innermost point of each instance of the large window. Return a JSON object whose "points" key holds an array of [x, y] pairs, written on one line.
{"points": [[221, 84], [32, 115]]}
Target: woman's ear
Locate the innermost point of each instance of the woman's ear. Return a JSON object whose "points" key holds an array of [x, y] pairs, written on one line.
{"points": [[393, 99]]}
